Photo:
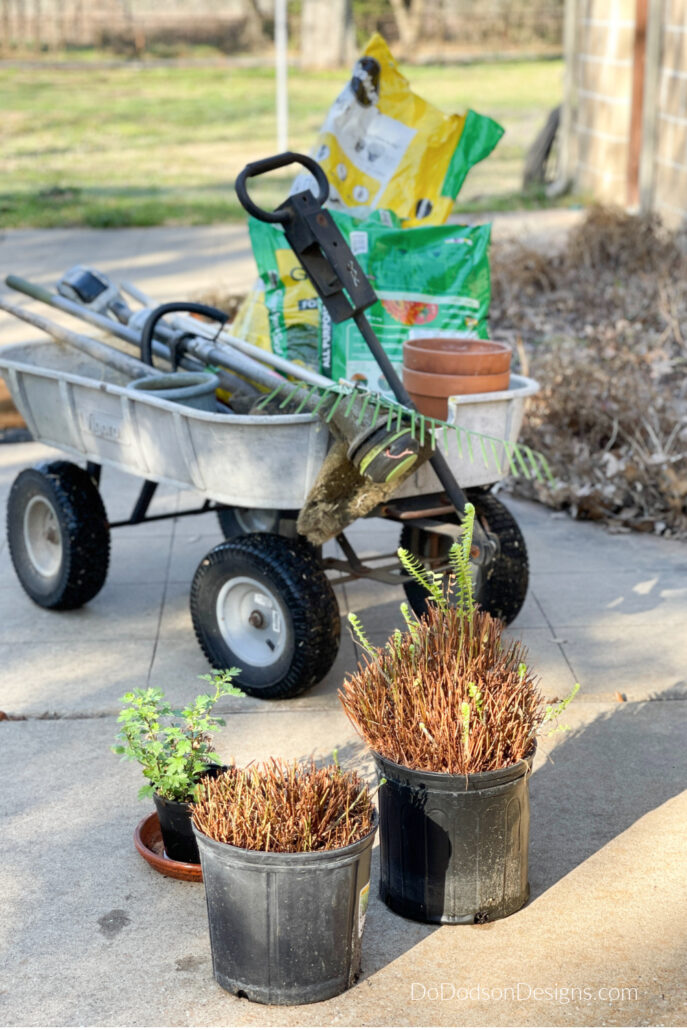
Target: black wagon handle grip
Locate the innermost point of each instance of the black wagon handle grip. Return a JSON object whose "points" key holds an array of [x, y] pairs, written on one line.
{"points": [[166, 309], [269, 164]]}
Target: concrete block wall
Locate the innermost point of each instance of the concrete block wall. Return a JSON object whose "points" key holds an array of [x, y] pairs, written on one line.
{"points": [[603, 87], [670, 146], [602, 59]]}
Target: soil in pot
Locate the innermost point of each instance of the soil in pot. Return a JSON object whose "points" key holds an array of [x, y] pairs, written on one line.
{"points": [[286, 928], [454, 848]]}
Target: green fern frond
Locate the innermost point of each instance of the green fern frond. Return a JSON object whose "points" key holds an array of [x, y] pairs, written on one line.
{"points": [[427, 580], [555, 711], [360, 633], [459, 557], [477, 697], [409, 616]]}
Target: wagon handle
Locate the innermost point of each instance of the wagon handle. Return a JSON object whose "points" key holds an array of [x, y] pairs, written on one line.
{"points": [[165, 309], [269, 164]]}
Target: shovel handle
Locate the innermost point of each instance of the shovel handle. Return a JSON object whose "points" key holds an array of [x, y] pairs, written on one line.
{"points": [[269, 164]]}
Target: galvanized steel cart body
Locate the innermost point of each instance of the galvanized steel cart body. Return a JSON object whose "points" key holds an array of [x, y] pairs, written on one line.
{"points": [[261, 600]]}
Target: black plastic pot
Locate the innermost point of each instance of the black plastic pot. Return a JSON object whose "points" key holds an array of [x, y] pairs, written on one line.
{"points": [[286, 929], [177, 829], [176, 825], [453, 849]]}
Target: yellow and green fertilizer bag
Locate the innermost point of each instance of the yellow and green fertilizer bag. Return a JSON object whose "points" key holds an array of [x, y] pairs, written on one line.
{"points": [[431, 280], [383, 146], [395, 164]]}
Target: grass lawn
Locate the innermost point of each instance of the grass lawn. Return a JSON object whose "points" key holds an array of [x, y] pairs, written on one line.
{"points": [[136, 145]]}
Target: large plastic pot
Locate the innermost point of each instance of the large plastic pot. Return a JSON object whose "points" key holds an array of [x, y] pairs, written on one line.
{"points": [[453, 848], [286, 929], [192, 389]]}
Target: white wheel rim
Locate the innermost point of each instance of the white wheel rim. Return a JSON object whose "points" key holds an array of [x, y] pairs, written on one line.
{"points": [[42, 536], [253, 621]]}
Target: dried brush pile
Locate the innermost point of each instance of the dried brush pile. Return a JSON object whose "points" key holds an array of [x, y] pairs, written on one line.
{"points": [[449, 694], [605, 324], [286, 807]]}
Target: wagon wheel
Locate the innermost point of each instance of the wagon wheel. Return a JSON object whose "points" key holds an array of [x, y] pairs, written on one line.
{"points": [[263, 603], [502, 587], [58, 536]]}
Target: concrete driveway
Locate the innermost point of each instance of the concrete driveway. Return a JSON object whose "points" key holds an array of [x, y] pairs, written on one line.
{"points": [[90, 935]]}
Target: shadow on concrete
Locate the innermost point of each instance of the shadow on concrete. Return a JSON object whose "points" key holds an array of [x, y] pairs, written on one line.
{"points": [[599, 781]]}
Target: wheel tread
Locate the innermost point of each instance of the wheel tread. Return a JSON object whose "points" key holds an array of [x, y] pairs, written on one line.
{"points": [[83, 523], [316, 620]]}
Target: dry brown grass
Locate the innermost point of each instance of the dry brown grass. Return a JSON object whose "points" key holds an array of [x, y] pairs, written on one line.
{"points": [[285, 806], [449, 695], [603, 324]]}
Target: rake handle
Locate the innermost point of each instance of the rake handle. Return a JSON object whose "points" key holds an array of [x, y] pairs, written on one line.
{"points": [[437, 461]]}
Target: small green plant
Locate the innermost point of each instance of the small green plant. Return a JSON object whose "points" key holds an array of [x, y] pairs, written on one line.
{"points": [[554, 711], [173, 745]]}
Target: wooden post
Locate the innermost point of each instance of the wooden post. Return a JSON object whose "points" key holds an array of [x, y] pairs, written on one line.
{"points": [[567, 159], [652, 75], [636, 113]]}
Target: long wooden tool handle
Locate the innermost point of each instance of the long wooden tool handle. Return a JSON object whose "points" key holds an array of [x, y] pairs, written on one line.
{"points": [[115, 359]]}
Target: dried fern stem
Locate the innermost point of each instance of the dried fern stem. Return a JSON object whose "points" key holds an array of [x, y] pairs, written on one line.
{"points": [[448, 695], [285, 807]]}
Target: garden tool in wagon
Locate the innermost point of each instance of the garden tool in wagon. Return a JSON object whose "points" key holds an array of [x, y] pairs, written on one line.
{"points": [[355, 478], [370, 455]]}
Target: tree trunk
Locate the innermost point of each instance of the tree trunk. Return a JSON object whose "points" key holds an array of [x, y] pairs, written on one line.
{"points": [[253, 33], [327, 34], [6, 41], [408, 19]]}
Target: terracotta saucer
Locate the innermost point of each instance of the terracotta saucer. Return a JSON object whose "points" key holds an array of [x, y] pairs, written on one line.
{"points": [[148, 841]]}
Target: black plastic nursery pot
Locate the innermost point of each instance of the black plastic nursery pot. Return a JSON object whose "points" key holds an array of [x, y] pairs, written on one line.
{"points": [[286, 929], [177, 829], [176, 824], [453, 849]]}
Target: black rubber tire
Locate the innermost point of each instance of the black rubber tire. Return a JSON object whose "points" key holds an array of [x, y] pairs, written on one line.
{"points": [[84, 532], [236, 522], [290, 569], [504, 584]]}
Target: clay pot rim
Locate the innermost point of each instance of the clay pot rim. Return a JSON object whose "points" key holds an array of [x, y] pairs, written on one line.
{"points": [[456, 356], [472, 344]]}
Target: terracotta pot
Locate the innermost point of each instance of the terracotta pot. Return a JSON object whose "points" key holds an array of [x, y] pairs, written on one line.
{"points": [[430, 392], [432, 407], [457, 356]]}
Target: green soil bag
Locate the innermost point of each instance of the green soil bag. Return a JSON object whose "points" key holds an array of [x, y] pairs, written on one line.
{"points": [[430, 281]]}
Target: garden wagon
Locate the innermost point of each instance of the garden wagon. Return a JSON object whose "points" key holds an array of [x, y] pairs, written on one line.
{"points": [[262, 600]]}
